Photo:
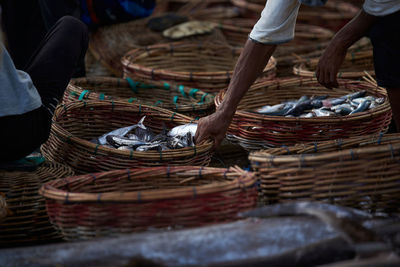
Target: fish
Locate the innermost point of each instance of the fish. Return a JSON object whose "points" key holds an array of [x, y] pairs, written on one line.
{"points": [[118, 132], [144, 134], [117, 141], [125, 148], [154, 146], [380, 100], [343, 109], [355, 95], [361, 99], [322, 112], [299, 108], [276, 110], [361, 107], [182, 130], [307, 115], [161, 137]]}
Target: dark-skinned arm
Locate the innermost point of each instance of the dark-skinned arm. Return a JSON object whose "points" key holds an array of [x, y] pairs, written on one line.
{"points": [[249, 66], [335, 53]]}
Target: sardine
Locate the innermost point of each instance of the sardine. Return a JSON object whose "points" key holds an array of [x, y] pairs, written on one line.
{"points": [[307, 115], [117, 141], [144, 134], [154, 146], [182, 130], [161, 137], [125, 148], [119, 132], [333, 102], [299, 108], [276, 110], [343, 109], [361, 99], [379, 100], [355, 95], [362, 107], [322, 112]]}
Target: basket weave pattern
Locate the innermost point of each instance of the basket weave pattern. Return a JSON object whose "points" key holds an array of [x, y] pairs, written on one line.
{"points": [[115, 202], [27, 221], [360, 172], [256, 131], [208, 67], [181, 99], [76, 123]]}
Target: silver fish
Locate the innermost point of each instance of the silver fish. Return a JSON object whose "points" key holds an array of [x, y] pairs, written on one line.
{"points": [[361, 99], [276, 110], [154, 146], [307, 115], [125, 148], [343, 109], [117, 141], [322, 112], [362, 107], [119, 132], [182, 130], [380, 100]]}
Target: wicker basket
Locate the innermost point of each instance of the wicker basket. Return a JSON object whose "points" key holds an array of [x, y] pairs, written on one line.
{"points": [[333, 15], [354, 65], [27, 221], [256, 131], [108, 44], [3, 208], [189, 101], [76, 123], [361, 172], [208, 67], [131, 200]]}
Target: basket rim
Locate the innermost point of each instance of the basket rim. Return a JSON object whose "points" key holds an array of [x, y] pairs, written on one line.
{"points": [[353, 153], [206, 99], [50, 190], [128, 62], [383, 108], [63, 133]]}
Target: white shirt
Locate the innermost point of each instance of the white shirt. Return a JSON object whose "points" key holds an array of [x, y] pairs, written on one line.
{"points": [[278, 19]]}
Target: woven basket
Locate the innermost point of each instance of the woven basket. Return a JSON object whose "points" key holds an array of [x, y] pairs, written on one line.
{"points": [[333, 15], [208, 67], [27, 221], [76, 123], [354, 65], [3, 208], [131, 200], [189, 101], [108, 44], [256, 131], [361, 172]]}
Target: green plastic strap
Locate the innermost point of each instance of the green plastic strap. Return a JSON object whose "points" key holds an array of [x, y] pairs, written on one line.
{"points": [[181, 89], [167, 86], [157, 103], [101, 96], [95, 150], [176, 99], [172, 116], [203, 98], [197, 118], [132, 84], [73, 93], [130, 100], [82, 95], [193, 92]]}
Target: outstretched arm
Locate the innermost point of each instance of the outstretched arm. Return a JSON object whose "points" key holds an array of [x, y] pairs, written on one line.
{"points": [[250, 64], [334, 54]]}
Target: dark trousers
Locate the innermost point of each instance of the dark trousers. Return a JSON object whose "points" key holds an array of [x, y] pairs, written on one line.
{"points": [[51, 67]]}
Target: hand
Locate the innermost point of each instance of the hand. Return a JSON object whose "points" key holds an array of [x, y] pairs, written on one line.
{"points": [[328, 66], [213, 126]]}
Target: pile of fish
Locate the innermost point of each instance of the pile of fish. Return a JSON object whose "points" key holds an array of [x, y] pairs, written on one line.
{"points": [[321, 106], [138, 137]]}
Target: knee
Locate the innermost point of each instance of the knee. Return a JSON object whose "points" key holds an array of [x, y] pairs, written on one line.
{"points": [[74, 25]]}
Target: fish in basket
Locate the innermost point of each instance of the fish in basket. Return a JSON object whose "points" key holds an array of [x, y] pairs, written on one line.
{"points": [[132, 200], [178, 98], [77, 124], [308, 112]]}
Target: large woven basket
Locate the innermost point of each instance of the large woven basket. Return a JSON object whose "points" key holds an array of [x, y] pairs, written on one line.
{"points": [[208, 67], [333, 15], [76, 123], [27, 221], [181, 99], [361, 172], [354, 65], [256, 131], [108, 44], [131, 200]]}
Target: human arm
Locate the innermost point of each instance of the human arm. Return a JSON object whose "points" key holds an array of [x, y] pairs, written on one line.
{"points": [[250, 64], [335, 53]]}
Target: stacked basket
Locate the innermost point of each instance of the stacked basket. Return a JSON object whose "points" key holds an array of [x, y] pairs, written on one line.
{"points": [[181, 99], [123, 201], [256, 131], [208, 67], [361, 172], [76, 123], [27, 221]]}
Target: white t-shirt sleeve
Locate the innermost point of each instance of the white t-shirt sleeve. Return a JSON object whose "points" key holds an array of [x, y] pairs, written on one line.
{"points": [[277, 22], [381, 7]]}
